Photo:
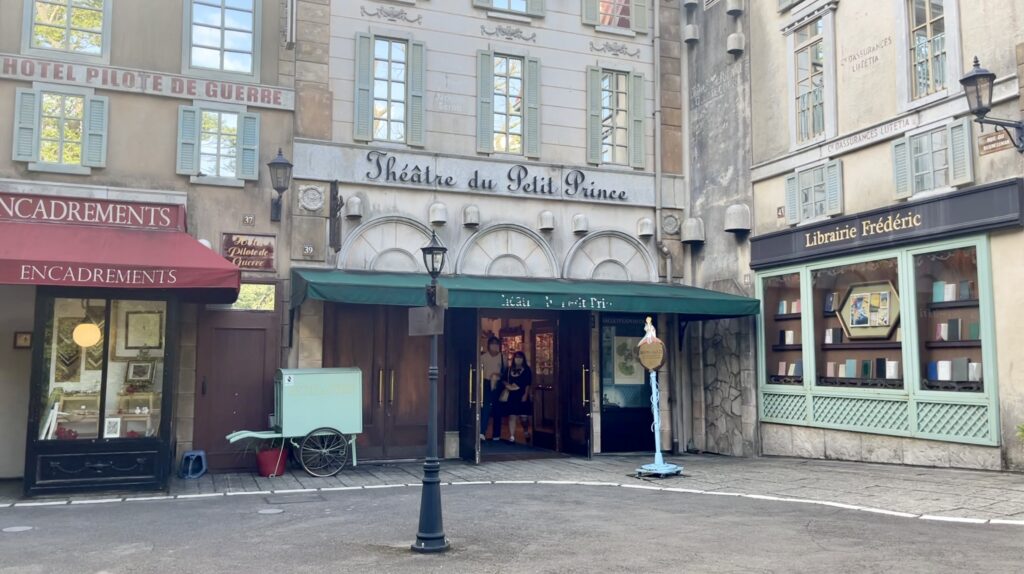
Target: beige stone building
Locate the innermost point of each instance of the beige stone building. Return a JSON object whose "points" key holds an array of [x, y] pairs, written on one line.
{"points": [[131, 131], [887, 231]]}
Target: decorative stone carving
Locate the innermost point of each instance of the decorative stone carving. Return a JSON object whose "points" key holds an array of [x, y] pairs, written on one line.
{"points": [[614, 49], [391, 14], [471, 216], [670, 224], [508, 33], [390, 243], [507, 250], [311, 197], [610, 255]]}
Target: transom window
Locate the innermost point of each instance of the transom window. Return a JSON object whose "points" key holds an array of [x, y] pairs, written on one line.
{"points": [[513, 5], [810, 81], [222, 35], [389, 91], [614, 117], [74, 26], [508, 104], [927, 46], [218, 149], [614, 13], [812, 193], [60, 134], [929, 160]]}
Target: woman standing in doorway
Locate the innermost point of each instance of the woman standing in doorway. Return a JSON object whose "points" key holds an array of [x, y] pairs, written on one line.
{"points": [[520, 396], [492, 367]]}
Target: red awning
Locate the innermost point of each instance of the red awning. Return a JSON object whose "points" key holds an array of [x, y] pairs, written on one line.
{"points": [[70, 255]]}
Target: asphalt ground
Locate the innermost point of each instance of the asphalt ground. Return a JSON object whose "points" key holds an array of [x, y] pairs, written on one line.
{"points": [[493, 528]]}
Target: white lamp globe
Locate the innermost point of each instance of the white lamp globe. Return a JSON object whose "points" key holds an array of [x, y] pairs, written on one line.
{"points": [[86, 334]]}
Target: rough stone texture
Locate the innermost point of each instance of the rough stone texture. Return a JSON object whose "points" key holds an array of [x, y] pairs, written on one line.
{"points": [[310, 336], [841, 445], [311, 72], [184, 399], [974, 456], [318, 32], [808, 442], [312, 52], [308, 11], [878, 448], [313, 114], [925, 453], [776, 440]]}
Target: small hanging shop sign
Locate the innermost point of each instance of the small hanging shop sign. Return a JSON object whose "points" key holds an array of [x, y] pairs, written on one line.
{"points": [[250, 252]]}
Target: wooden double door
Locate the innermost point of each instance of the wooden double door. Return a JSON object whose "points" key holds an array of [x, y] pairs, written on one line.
{"points": [[394, 365]]}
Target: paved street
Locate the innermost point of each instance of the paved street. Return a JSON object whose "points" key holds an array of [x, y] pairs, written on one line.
{"points": [[493, 528]]}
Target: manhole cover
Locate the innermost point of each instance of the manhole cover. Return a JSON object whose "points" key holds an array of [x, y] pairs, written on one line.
{"points": [[271, 511], [17, 528]]}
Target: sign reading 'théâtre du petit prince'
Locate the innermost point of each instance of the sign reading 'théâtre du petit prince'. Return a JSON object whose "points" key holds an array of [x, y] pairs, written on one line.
{"points": [[973, 210]]}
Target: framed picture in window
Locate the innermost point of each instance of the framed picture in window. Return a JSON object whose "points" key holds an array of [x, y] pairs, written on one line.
{"points": [[139, 373], [112, 427], [144, 330], [870, 310], [137, 329], [23, 339]]}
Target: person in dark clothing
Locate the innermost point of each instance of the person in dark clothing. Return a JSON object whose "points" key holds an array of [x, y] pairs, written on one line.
{"points": [[492, 372], [519, 401]]}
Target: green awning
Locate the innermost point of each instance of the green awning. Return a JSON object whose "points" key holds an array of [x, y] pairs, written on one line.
{"points": [[407, 290]]}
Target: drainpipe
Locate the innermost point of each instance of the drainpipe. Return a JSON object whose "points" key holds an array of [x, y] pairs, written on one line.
{"points": [[658, 188]]}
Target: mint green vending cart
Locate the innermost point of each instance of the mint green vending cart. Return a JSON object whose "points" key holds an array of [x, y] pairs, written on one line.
{"points": [[319, 412]]}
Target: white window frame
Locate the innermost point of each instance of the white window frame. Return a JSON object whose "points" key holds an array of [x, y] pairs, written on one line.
{"points": [[616, 72], [522, 110], [208, 106], [29, 50], [800, 207], [186, 48], [405, 96], [954, 67], [918, 131], [824, 9], [43, 166]]}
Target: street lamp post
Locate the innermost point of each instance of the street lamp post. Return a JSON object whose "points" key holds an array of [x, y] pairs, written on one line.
{"points": [[978, 86], [430, 536], [280, 179]]}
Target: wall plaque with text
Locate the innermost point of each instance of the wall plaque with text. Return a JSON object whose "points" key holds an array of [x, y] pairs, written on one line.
{"points": [[250, 252]]}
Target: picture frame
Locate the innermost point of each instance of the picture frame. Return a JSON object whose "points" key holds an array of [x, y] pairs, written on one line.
{"points": [[119, 329], [139, 372], [112, 427], [144, 330], [23, 339], [870, 310]]}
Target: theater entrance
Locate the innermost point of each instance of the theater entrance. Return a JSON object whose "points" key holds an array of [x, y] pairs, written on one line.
{"points": [[524, 381]]}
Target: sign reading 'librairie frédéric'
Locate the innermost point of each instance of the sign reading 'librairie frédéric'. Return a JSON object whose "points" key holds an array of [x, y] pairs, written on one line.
{"points": [[973, 210], [413, 170]]}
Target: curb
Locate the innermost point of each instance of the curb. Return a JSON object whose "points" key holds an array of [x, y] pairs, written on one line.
{"points": [[842, 505]]}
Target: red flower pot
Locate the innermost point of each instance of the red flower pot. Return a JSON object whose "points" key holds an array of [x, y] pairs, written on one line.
{"points": [[271, 462]]}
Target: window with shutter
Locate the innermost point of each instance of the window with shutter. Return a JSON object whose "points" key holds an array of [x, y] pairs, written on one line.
{"points": [[485, 101], [390, 90], [218, 145], [532, 90], [792, 200], [94, 153], [26, 125], [188, 141], [814, 193], [935, 159], [528, 7], [75, 29], [60, 131]]}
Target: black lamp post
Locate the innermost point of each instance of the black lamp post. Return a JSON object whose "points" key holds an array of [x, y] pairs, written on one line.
{"points": [[978, 85], [430, 536], [280, 180]]}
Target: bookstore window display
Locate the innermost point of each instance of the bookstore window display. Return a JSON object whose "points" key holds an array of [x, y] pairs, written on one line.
{"points": [[858, 340], [782, 329], [949, 322]]}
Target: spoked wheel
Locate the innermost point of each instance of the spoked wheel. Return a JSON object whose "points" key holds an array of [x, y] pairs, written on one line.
{"points": [[323, 452]]}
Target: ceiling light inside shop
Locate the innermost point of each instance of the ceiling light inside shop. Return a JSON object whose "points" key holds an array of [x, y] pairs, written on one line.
{"points": [[86, 334]]}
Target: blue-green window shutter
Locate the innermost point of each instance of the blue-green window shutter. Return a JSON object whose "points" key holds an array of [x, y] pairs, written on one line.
{"points": [[638, 16], [26, 125], [532, 147], [535, 7], [94, 152], [593, 115], [249, 146], [188, 140], [901, 175], [591, 15], [792, 200], [484, 101], [414, 132], [834, 187], [961, 156], [637, 153], [363, 104]]}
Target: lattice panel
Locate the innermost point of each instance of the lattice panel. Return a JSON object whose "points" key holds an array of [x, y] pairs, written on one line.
{"points": [[868, 414], [784, 407], [959, 421]]}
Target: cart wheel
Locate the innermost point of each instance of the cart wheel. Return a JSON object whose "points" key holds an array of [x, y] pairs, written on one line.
{"points": [[323, 452]]}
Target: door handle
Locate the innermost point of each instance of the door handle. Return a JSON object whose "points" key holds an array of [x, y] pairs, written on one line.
{"points": [[584, 381], [380, 387], [471, 385], [391, 397], [204, 386]]}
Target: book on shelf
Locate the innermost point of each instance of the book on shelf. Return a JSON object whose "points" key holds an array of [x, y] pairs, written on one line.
{"points": [[782, 337], [842, 370], [790, 338], [933, 371], [941, 331], [950, 292], [830, 302], [938, 291], [953, 330], [798, 371], [892, 369], [792, 370], [830, 369], [851, 368], [828, 336], [782, 368], [974, 372], [974, 331], [945, 370], [865, 369], [880, 368], [795, 306], [964, 289], [960, 369], [899, 334], [782, 307]]}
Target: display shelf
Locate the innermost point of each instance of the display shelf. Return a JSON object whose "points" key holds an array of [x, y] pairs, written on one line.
{"points": [[787, 380], [958, 386], [787, 317], [961, 304], [858, 382], [862, 345], [968, 344], [782, 348]]}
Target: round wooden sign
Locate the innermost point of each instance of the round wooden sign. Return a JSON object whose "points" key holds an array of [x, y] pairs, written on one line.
{"points": [[652, 355]]}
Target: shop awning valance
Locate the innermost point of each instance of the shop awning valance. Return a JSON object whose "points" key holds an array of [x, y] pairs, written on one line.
{"points": [[407, 289], [69, 255]]}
